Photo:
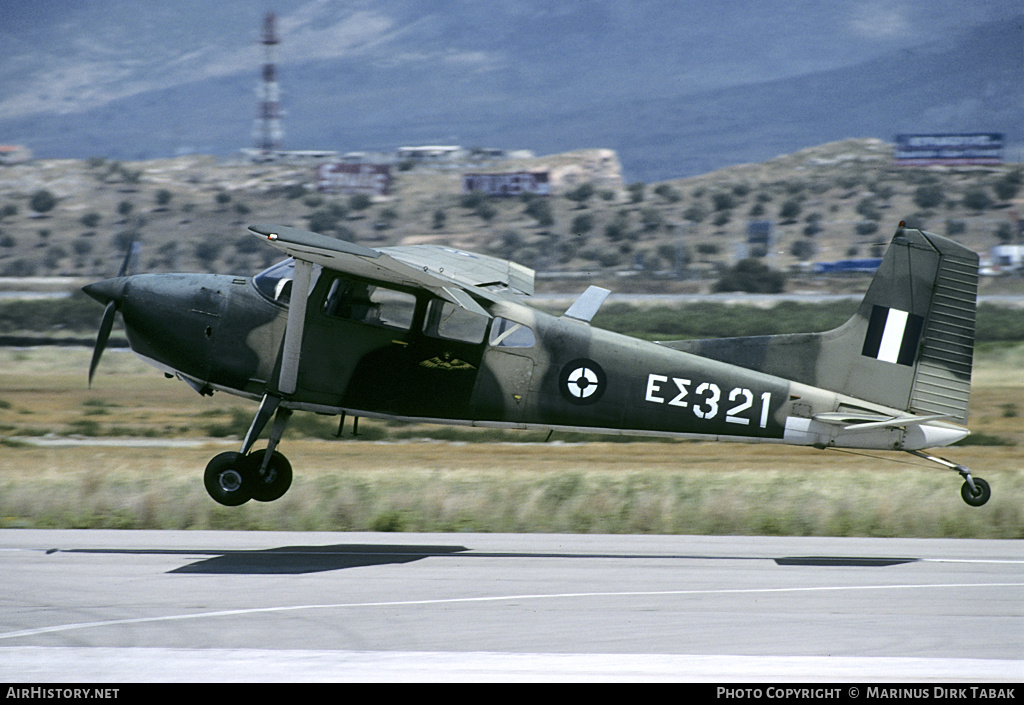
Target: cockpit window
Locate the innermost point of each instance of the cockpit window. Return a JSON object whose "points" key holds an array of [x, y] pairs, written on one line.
{"points": [[369, 303], [275, 282]]}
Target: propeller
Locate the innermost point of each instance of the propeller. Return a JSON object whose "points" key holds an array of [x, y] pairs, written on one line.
{"points": [[111, 292]]}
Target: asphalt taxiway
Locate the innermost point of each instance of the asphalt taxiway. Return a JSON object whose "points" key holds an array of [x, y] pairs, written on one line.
{"points": [[120, 606]]}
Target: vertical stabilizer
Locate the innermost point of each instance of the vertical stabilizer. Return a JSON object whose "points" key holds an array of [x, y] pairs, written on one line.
{"points": [[911, 343], [910, 346]]}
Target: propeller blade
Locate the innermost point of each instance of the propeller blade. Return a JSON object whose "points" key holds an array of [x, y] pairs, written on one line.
{"points": [[109, 291], [106, 324]]}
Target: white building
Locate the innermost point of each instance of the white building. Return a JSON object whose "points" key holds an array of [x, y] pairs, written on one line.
{"points": [[14, 154]]}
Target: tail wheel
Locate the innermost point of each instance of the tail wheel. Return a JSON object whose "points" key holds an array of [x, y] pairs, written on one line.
{"points": [[274, 482], [979, 496], [226, 479]]}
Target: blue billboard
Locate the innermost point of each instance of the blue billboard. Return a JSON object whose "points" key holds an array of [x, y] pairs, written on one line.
{"points": [[949, 149]]}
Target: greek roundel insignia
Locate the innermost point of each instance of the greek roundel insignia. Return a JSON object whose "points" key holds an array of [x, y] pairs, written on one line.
{"points": [[582, 381]]}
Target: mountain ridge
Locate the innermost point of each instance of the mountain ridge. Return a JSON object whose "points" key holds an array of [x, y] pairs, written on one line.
{"points": [[534, 76]]}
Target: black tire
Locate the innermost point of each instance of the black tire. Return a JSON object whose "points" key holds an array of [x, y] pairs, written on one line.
{"points": [[981, 493], [277, 480], [226, 479]]}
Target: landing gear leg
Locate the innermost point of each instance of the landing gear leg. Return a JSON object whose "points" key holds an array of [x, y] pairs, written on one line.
{"points": [[271, 472], [974, 491], [267, 408]]}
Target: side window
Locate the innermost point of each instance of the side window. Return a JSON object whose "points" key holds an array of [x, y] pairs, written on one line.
{"points": [[368, 303], [509, 334], [447, 320]]}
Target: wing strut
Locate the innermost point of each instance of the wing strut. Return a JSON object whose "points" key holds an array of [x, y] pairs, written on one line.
{"points": [[291, 349], [291, 354]]}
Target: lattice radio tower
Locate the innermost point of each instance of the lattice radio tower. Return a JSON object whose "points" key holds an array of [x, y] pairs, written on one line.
{"points": [[268, 131]]}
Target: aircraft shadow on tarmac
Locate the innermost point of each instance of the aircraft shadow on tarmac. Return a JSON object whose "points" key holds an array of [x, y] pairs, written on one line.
{"points": [[287, 560], [296, 560], [839, 561], [313, 559]]}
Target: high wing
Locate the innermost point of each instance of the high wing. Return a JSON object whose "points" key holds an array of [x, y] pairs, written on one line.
{"points": [[466, 268], [443, 271]]}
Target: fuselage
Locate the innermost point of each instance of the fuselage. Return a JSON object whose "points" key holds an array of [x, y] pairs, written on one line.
{"points": [[399, 352]]}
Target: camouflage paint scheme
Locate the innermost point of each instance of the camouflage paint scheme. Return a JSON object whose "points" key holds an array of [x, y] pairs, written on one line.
{"points": [[437, 334]]}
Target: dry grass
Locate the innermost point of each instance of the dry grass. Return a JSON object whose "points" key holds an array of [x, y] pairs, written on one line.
{"points": [[595, 487], [600, 487]]}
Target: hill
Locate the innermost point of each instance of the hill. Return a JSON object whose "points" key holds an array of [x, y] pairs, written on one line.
{"points": [[830, 202]]}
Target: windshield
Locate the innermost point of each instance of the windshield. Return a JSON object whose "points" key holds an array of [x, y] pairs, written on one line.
{"points": [[276, 282]]}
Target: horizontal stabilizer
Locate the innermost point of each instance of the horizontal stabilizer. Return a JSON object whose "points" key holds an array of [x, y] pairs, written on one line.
{"points": [[867, 422]]}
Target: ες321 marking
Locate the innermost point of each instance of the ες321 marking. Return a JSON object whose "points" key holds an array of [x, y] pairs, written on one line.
{"points": [[706, 400]]}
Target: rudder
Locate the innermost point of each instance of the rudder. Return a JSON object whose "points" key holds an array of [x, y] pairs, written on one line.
{"points": [[942, 384]]}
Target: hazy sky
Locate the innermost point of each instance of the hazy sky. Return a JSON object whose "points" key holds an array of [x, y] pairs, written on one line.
{"points": [[65, 55]]}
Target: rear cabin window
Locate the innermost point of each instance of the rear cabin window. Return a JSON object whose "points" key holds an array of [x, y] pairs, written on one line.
{"points": [[368, 303], [509, 334], [448, 320]]}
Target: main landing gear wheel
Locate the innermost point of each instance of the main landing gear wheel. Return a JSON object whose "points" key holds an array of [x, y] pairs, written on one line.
{"points": [[979, 495], [226, 479], [274, 482], [264, 475]]}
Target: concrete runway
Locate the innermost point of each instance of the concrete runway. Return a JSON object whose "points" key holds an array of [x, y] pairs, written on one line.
{"points": [[131, 606]]}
